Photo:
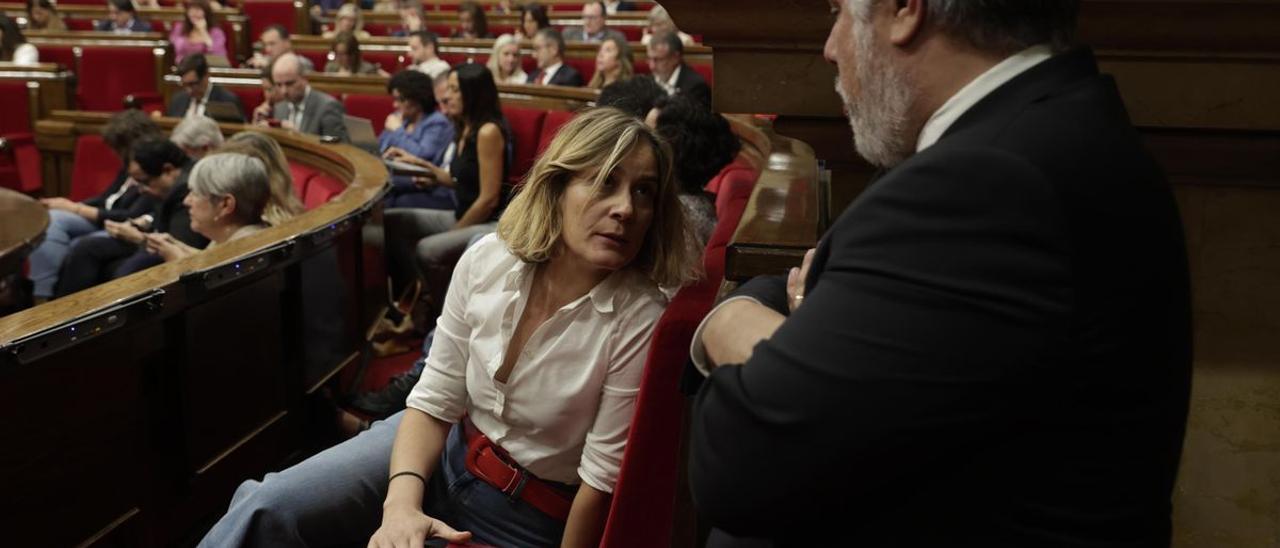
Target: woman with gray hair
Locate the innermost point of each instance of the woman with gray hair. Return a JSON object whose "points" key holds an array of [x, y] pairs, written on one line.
{"points": [[228, 194], [197, 136]]}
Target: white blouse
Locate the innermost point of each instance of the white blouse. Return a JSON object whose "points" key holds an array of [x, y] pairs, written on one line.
{"points": [[566, 408], [26, 54]]}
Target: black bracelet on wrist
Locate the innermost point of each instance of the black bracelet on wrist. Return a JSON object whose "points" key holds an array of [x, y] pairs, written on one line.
{"points": [[408, 473]]}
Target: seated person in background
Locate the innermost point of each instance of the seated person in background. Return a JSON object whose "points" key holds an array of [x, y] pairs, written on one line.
{"points": [[666, 60], [660, 23], [349, 20], [418, 129], [384, 6], [613, 63], [431, 238], [424, 48], [122, 200], [533, 18], [43, 15], [194, 73], [198, 32], [197, 137], [701, 145], [548, 51], [505, 7], [571, 302], [472, 23], [595, 25], [227, 197], [302, 108], [411, 18], [276, 42], [612, 8], [283, 203], [122, 18], [347, 61], [160, 168], [262, 114], [13, 45], [634, 96], [504, 61]]}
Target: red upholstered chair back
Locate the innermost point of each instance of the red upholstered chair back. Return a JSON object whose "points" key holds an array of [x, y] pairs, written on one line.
{"points": [[455, 58], [62, 55], [380, 29], [95, 166], [707, 70], [264, 13], [159, 25], [301, 174], [550, 126], [587, 67], [17, 111], [74, 24], [108, 74], [374, 108], [250, 97], [526, 128], [441, 30], [632, 32], [80, 2], [318, 58], [641, 66], [320, 190], [390, 61], [499, 30]]}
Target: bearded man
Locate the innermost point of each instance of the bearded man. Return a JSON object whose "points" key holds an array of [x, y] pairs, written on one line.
{"points": [[991, 345]]}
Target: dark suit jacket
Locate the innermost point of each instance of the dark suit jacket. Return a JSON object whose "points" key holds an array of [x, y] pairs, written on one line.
{"points": [[172, 215], [138, 25], [322, 115], [692, 84], [565, 76], [993, 350], [129, 205], [182, 100]]}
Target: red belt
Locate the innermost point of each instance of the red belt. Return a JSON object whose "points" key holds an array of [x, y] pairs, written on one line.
{"points": [[493, 466]]}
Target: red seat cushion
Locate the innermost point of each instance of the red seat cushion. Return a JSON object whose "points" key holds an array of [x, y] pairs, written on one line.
{"points": [[16, 110], [62, 55], [317, 57], [250, 97], [108, 74], [374, 108], [320, 190], [632, 32], [20, 164], [381, 29], [74, 24], [707, 70], [96, 165], [587, 67], [389, 61], [550, 126], [302, 174], [526, 127]]}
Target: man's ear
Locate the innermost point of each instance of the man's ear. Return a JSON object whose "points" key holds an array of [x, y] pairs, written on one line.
{"points": [[908, 21]]}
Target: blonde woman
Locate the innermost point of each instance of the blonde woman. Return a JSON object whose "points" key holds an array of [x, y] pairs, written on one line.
{"points": [[504, 61], [348, 19], [613, 63], [549, 320], [284, 203]]}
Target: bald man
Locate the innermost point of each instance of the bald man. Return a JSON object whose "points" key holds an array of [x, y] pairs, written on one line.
{"points": [[302, 108]]}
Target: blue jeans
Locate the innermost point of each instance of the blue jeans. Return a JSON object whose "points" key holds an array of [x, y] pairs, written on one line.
{"points": [[335, 498], [64, 229]]}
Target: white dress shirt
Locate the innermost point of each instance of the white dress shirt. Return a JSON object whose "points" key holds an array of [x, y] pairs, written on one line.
{"points": [[669, 85], [26, 54], [433, 67], [933, 129], [196, 106], [566, 408]]}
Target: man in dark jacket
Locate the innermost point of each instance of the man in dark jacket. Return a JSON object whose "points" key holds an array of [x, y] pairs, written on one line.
{"points": [[122, 18], [194, 72], [991, 345], [666, 58]]}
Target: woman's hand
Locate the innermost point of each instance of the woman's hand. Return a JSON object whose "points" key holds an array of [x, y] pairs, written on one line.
{"points": [[406, 526], [392, 123], [795, 282], [60, 204], [124, 231], [165, 246]]}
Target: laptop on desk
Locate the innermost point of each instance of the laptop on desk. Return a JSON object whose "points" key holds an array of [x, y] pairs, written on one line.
{"points": [[360, 131], [223, 111]]}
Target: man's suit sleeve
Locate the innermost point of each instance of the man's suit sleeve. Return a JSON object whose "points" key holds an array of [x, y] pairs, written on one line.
{"points": [[227, 95], [331, 122], [573, 78], [935, 293]]}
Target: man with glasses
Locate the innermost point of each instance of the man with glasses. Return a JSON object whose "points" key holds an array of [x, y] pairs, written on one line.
{"points": [[302, 108], [595, 26], [197, 92]]}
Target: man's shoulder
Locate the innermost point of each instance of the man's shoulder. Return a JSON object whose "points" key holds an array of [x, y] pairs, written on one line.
{"points": [[324, 99]]}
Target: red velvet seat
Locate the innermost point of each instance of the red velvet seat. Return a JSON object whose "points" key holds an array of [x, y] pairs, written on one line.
{"points": [[374, 108], [320, 190], [499, 30], [62, 55], [455, 58], [550, 126], [441, 30], [707, 70], [264, 13], [19, 159], [632, 32], [75, 24], [301, 174], [641, 66], [95, 166], [587, 67], [108, 74], [526, 128], [317, 57], [250, 97]]}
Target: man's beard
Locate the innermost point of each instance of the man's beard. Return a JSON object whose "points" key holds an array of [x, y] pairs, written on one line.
{"points": [[879, 116]]}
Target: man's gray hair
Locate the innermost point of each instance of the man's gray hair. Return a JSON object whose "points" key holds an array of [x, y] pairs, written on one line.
{"points": [[1004, 26], [233, 174], [197, 132]]}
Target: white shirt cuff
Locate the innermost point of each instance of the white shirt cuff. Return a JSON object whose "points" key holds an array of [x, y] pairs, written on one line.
{"points": [[697, 351]]}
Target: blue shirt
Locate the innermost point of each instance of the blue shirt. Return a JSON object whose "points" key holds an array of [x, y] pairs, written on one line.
{"points": [[428, 140]]}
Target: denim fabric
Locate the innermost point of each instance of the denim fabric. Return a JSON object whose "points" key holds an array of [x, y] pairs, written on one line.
{"points": [[335, 498], [64, 228]]}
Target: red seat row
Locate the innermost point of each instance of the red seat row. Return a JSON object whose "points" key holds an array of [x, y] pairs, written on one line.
{"points": [[19, 158]]}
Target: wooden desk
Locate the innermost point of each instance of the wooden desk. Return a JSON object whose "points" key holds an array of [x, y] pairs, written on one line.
{"points": [[22, 224]]}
